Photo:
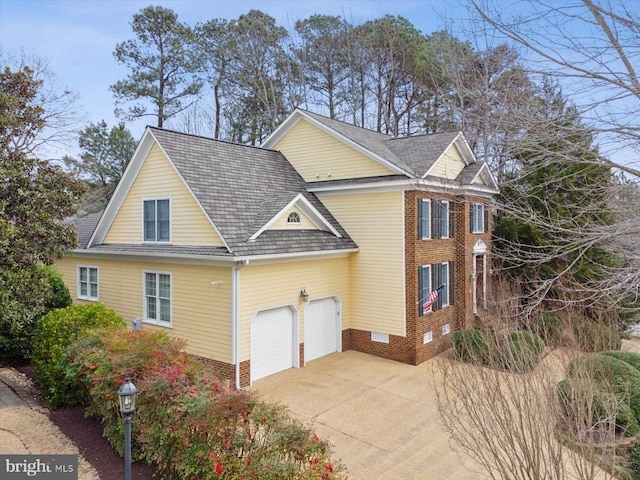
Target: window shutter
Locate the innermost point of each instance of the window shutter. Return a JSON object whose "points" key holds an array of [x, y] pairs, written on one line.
{"points": [[452, 282], [471, 212], [420, 218], [485, 208], [451, 220], [420, 290], [435, 274]]}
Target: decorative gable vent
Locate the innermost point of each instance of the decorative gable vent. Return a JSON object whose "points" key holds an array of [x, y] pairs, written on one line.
{"points": [[294, 217]]}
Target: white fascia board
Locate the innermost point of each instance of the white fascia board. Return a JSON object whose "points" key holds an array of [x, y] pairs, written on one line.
{"points": [[424, 184], [188, 259], [226, 261], [295, 257], [307, 209], [486, 171], [374, 187], [214, 261], [481, 190], [277, 135], [465, 150], [123, 187]]}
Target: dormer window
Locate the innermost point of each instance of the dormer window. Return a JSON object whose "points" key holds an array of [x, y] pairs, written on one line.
{"points": [[156, 221], [294, 217]]}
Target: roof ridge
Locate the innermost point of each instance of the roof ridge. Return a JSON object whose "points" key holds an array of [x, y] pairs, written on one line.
{"points": [[388, 137], [426, 135], [168, 130]]}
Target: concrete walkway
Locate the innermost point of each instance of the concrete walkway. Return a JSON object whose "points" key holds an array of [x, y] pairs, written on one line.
{"points": [[381, 416]]}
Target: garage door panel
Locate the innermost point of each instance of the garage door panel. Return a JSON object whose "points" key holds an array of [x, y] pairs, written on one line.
{"points": [[320, 329], [271, 342]]}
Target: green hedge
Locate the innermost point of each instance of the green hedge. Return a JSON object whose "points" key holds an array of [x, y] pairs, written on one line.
{"points": [[605, 375], [56, 331], [472, 345], [190, 425], [631, 358]]}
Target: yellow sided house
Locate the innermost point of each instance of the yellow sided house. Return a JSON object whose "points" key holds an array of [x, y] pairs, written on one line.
{"points": [[328, 238]]}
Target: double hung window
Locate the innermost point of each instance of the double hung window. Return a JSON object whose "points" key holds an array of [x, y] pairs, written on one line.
{"points": [[157, 297], [88, 283], [436, 277], [435, 219], [157, 224], [478, 218]]}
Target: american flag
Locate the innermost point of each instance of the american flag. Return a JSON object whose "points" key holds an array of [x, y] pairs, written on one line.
{"points": [[433, 298]]}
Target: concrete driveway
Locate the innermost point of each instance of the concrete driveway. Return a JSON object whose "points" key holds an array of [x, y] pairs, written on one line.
{"points": [[381, 416]]}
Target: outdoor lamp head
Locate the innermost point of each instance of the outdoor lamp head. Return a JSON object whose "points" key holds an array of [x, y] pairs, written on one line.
{"points": [[127, 394]]}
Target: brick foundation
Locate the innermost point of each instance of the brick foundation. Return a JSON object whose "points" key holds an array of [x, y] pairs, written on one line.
{"points": [[227, 371]]}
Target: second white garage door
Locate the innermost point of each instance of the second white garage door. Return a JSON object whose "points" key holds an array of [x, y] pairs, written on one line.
{"points": [[320, 328], [271, 342]]}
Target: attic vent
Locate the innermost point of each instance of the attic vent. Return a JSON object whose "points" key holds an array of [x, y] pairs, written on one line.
{"points": [[293, 217], [380, 337]]}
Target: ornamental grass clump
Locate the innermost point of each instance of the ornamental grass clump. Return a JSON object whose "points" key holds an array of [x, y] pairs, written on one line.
{"points": [[188, 423]]}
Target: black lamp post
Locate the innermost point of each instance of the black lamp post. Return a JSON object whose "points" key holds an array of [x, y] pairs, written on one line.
{"points": [[127, 394]]}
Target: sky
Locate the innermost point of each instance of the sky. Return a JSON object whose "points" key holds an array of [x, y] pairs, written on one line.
{"points": [[77, 38]]}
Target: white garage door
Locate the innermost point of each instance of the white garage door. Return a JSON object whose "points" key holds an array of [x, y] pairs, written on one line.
{"points": [[320, 328], [271, 342]]}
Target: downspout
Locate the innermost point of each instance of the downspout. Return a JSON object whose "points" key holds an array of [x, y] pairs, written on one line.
{"points": [[235, 317]]}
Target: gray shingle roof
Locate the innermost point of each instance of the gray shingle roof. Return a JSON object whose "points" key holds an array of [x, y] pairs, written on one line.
{"points": [[421, 152], [241, 188], [85, 227], [413, 155], [469, 172]]}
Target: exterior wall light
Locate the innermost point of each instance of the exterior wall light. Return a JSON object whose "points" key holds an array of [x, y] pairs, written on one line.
{"points": [[304, 295]]}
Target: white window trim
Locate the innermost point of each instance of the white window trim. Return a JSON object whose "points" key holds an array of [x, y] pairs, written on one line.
{"points": [[478, 208], [145, 316], [446, 284], [426, 208], [78, 289], [148, 199]]}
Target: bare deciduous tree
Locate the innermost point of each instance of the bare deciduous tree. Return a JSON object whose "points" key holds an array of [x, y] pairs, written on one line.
{"points": [[508, 417], [61, 113]]}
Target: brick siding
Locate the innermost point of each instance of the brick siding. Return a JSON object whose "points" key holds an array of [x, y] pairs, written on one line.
{"points": [[411, 349]]}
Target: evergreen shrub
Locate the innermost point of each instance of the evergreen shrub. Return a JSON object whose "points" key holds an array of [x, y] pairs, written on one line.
{"points": [[56, 331], [472, 345]]}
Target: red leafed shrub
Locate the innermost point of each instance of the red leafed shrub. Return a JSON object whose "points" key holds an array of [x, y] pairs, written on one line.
{"points": [[189, 424]]}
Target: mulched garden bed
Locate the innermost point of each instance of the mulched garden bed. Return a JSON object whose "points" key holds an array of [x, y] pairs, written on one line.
{"points": [[86, 433]]}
